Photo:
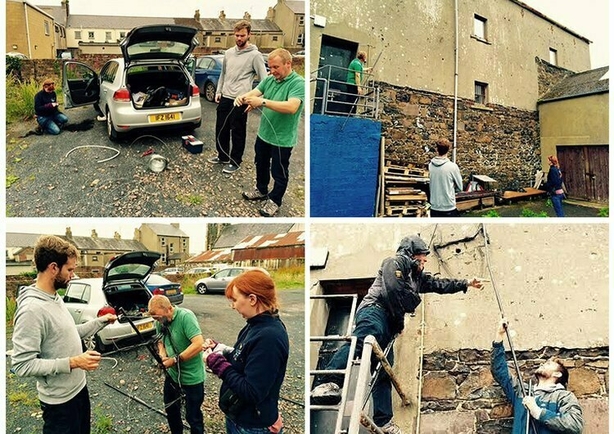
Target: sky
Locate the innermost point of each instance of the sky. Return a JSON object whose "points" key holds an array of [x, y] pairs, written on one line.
{"points": [[158, 8], [106, 227], [589, 18]]}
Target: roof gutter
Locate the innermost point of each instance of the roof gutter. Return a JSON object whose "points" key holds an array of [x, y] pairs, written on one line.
{"points": [[579, 95]]}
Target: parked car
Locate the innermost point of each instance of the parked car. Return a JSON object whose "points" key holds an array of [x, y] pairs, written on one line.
{"points": [[300, 53], [199, 270], [171, 271], [17, 54], [208, 70], [207, 74], [120, 287], [219, 280], [159, 285], [149, 87]]}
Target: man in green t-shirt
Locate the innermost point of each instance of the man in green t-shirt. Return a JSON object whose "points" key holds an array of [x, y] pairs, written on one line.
{"points": [[280, 97], [181, 353], [354, 81]]}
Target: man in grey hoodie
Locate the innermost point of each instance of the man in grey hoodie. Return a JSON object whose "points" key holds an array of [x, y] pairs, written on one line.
{"points": [[47, 343], [242, 63], [445, 181]]}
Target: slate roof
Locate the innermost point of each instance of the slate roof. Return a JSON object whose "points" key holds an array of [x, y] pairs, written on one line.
{"points": [[58, 13], [580, 84], [166, 230], [227, 25], [18, 239], [106, 244], [298, 7], [114, 22], [234, 234]]}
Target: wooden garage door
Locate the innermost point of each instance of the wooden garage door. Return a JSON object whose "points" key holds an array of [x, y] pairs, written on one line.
{"points": [[585, 171]]}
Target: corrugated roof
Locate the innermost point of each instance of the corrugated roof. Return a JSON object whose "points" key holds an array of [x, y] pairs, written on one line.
{"points": [[211, 256], [580, 84], [166, 230], [17, 239], [298, 7], [272, 240], [234, 234]]}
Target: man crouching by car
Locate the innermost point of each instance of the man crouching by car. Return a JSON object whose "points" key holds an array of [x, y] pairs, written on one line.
{"points": [[47, 343]]}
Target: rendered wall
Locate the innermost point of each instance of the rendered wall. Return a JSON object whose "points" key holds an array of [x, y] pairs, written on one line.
{"points": [[416, 41], [553, 283]]}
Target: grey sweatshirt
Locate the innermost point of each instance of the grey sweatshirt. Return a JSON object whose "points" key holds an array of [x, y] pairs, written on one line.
{"points": [[44, 338], [239, 69], [445, 180]]}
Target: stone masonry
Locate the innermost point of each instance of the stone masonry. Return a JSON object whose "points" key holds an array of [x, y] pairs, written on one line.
{"points": [[459, 391]]}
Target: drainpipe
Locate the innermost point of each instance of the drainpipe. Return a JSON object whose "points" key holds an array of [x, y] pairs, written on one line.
{"points": [[455, 78], [25, 9]]}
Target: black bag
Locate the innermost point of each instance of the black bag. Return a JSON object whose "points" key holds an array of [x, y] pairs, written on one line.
{"points": [[231, 404], [155, 97]]}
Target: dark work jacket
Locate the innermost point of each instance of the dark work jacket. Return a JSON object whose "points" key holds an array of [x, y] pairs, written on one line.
{"points": [[43, 103], [258, 369], [398, 285], [555, 180]]}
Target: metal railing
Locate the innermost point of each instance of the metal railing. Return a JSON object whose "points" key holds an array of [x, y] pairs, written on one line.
{"points": [[334, 96]]}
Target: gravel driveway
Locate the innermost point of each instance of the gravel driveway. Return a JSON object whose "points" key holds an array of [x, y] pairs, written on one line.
{"points": [[42, 181], [135, 374]]}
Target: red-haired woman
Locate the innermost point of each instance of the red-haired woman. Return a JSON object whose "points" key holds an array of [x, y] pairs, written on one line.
{"points": [[253, 370], [554, 186]]}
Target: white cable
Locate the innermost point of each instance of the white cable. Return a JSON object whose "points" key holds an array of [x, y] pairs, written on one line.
{"points": [[95, 146]]}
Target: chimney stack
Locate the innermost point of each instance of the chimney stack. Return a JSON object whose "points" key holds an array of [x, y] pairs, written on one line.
{"points": [[197, 15], [222, 15], [117, 236], [68, 232], [94, 234]]}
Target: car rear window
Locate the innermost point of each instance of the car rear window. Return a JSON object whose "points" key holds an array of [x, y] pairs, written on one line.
{"points": [[164, 48]]}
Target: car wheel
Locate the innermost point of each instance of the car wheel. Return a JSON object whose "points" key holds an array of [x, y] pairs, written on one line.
{"points": [[93, 343], [201, 288], [210, 92], [110, 127]]}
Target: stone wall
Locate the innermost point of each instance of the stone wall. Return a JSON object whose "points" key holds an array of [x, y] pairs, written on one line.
{"points": [[548, 75], [501, 142], [459, 391]]}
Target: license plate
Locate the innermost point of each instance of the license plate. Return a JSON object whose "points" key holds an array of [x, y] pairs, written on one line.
{"points": [[146, 326], [164, 117], [171, 291]]}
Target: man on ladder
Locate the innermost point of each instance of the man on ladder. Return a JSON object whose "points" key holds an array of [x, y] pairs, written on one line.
{"points": [[395, 292], [551, 407]]}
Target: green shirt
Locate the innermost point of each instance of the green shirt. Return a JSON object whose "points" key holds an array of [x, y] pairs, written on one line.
{"points": [[183, 328], [355, 67], [281, 129]]}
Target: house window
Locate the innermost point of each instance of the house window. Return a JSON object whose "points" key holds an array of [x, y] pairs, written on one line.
{"points": [[94, 258], [47, 28], [163, 241], [480, 92], [77, 34], [107, 36], [171, 248], [301, 20], [553, 57], [301, 39], [122, 34], [479, 27], [218, 39], [274, 38], [90, 35]]}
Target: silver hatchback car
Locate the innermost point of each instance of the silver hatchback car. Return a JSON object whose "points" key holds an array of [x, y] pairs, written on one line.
{"points": [[218, 281], [150, 87], [120, 290]]}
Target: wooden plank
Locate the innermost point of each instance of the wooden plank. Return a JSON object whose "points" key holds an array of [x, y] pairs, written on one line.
{"points": [[529, 192], [416, 197]]}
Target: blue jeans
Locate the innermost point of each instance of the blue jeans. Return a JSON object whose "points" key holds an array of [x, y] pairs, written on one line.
{"points": [[233, 428], [194, 397], [52, 124], [557, 204], [272, 161], [72, 417], [370, 320]]}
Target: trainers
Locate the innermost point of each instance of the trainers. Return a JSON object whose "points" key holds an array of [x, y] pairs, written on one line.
{"points": [[216, 160], [326, 394], [231, 168], [391, 428], [269, 209], [101, 118], [254, 195], [38, 130]]}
